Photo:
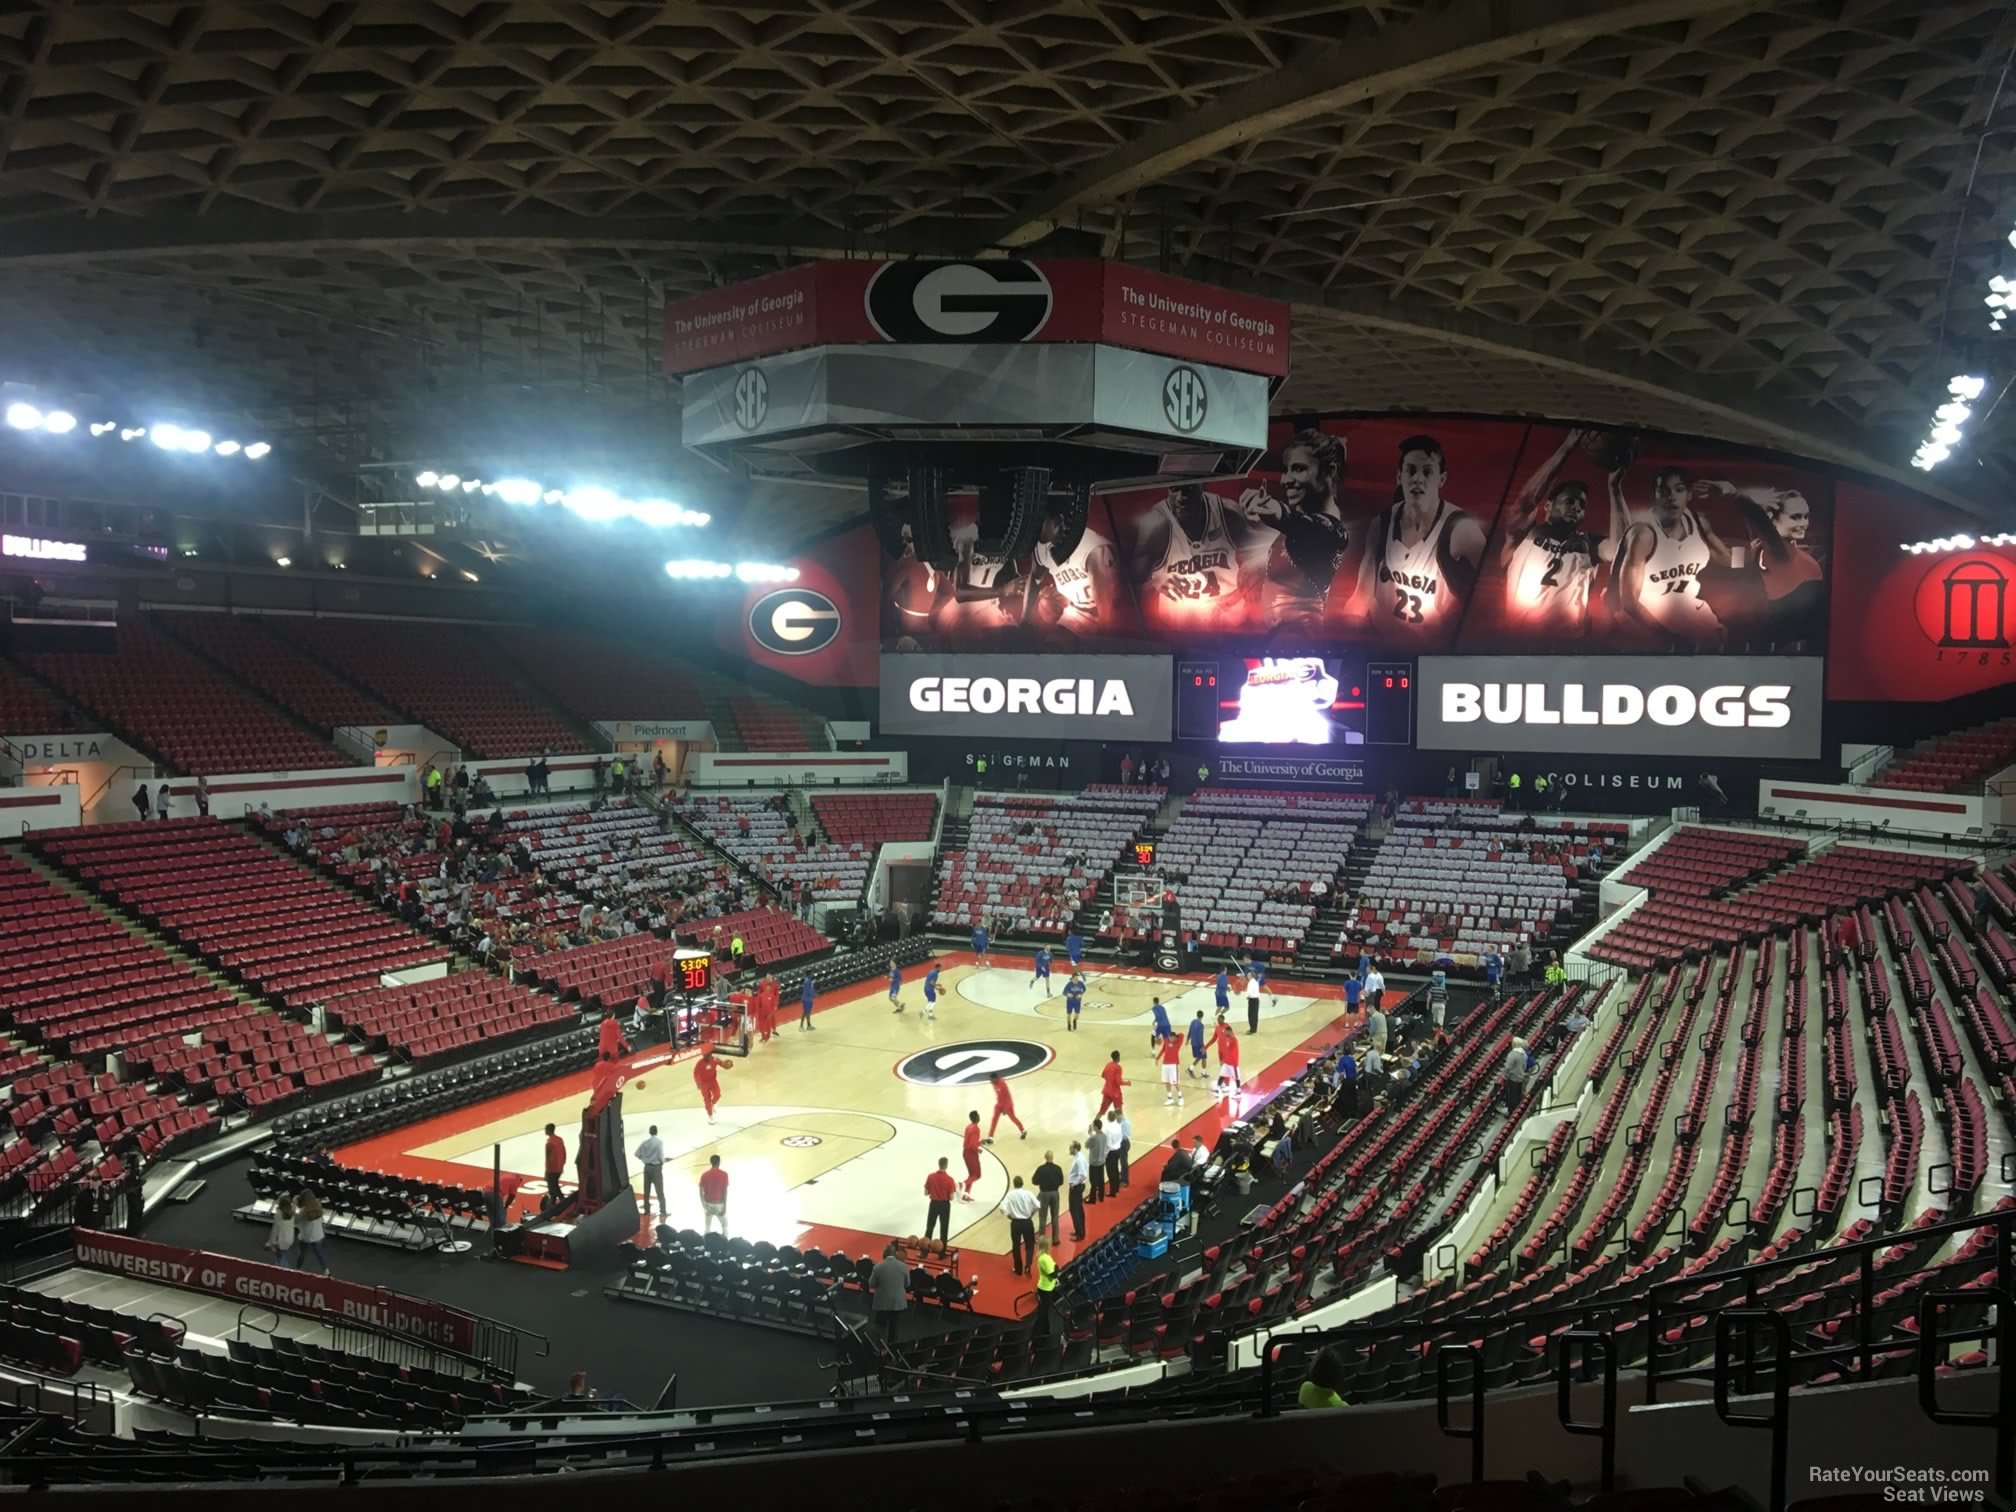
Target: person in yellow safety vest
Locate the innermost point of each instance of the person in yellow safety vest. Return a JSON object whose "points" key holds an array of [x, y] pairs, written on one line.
{"points": [[1203, 775], [616, 774], [735, 949], [433, 787], [980, 769], [1513, 782], [1046, 1287]]}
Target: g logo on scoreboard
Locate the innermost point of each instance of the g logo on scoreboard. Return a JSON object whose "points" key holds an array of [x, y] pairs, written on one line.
{"points": [[794, 621], [959, 301], [970, 1063]]}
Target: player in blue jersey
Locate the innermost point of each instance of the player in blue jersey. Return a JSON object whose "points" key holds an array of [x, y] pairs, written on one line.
{"points": [[1494, 968], [1074, 948], [806, 992], [1074, 999], [1198, 1045], [1222, 991], [980, 946], [931, 992], [1042, 969], [1161, 1030], [896, 986]]}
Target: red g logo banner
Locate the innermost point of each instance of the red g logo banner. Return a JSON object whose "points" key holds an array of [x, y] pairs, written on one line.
{"points": [[1963, 604]]}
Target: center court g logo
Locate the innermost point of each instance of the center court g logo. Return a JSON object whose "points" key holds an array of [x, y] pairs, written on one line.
{"points": [[794, 621], [752, 398], [1185, 400], [959, 301], [970, 1062]]}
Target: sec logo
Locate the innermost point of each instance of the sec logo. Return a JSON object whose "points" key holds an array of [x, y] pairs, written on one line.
{"points": [[971, 1062], [1185, 399], [799, 1141], [959, 301], [794, 621]]}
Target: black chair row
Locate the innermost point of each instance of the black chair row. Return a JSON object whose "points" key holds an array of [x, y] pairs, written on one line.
{"points": [[368, 1194], [102, 1333], [425, 1095]]}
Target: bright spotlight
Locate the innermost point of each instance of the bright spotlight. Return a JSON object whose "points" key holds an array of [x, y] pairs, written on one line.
{"points": [[227, 448], [99, 427], [427, 479], [285, 561], [257, 450], [472, 485], [23, 416], [470, 575], [59, 422], [553, 496], [516, 490], [1967, 386], [594, 503], [447, 480], [167, 437], [131, 433], [196, 441]]}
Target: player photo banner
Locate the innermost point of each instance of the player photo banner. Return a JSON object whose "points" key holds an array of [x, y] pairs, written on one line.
{"points": [[1622, 541], [1755, 707], [1027, 697]]}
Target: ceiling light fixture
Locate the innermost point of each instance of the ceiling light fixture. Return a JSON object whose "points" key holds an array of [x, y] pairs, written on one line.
{"points": [[23, 416], [1951, 416]]}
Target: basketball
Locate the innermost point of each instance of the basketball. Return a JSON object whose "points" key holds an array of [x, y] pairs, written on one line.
{"points": [[1610, 450]]}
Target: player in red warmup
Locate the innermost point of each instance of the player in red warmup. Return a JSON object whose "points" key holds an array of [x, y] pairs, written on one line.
{"points": [[972, 1147], [1111, 1079], [707, 1077], [771, 994], [1228, 1052], [609, 1037], [1004, 1107], [1172, 1088]]}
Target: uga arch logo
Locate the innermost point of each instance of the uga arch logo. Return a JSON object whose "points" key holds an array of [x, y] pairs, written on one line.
{"points": [[794, 621], [969, 1063], [1968, 604]]}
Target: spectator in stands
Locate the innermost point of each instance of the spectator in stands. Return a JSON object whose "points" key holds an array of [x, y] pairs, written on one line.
{"points": [[1556, 972], [1378, 1029], [888, 1288], [1162, 771], [1097, 1148], [556, 1165], [1576, 1021], [203, 797], [658, 770], [1075, 1189], [1515, 1074], [1020, 1206], [1127, 769], [939, 1188], [1046, 1289], [310, 1214], [651, 1156], [1375, 988], [1321, 1389], [432, 779], [142, 802], [714, 1195], [163, 801], [280, 1238], [1049, 1184]]}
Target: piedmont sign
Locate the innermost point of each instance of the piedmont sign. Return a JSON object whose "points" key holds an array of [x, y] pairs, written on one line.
{"points": [[1759, 707]]}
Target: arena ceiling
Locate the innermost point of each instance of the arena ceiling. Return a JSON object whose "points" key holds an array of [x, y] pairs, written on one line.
{"points": [[387, 230]]}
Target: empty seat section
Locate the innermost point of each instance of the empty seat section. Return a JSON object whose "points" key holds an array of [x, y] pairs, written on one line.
{"points": [[1251, 866], [305, 689], [876, 817], [247, 910], [763, 833], [1031, 862], [598, 677], [448, 678], [166, 700]]}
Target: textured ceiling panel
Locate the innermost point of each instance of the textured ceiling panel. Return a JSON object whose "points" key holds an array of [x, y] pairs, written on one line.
{"points": [[375, 227]]}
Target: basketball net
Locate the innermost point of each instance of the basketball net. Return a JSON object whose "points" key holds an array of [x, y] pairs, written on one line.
{"points": [[1136, 891]]}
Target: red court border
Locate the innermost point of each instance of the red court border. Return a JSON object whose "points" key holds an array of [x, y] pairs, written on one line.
{"points": [[1000, 1288]]}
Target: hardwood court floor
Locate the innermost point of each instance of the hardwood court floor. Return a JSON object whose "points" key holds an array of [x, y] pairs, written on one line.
{"points": [[828, 1135]]}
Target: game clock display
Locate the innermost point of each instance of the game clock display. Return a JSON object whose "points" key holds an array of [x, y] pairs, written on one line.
{"points": [[695, 972]]}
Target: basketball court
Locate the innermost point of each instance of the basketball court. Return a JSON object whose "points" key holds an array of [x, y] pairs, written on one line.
{"points": [[828, 1135]]}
